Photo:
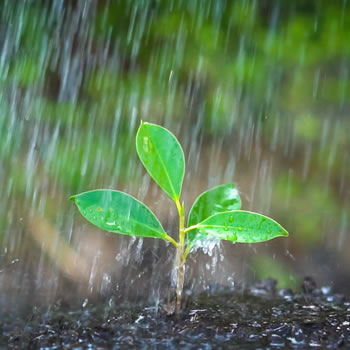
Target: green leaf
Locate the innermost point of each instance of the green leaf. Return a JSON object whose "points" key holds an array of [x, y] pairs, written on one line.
{"points": [[238, 226], [162, 156], [216, 200], [118, 212]]}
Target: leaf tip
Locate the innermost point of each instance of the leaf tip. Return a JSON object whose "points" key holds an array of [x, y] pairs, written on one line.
{"points": [[143, 123], [72, 198], [285, 233]]}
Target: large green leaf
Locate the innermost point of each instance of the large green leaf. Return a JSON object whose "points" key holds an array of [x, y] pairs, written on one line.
{"points": [[238, 226], [216, 200], [118, 212], [162, 156]]}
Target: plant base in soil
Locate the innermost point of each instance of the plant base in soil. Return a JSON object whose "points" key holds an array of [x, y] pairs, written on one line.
{"points": [[258, 317]]}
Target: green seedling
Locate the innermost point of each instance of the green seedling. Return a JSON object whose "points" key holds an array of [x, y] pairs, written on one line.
{"points": [[215, 214]]}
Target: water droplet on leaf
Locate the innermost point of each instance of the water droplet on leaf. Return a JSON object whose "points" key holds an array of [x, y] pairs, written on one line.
{"points": [[147, 144]]}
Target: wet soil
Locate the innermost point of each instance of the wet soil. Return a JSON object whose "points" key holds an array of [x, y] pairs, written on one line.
{"points": [[259, 317]]}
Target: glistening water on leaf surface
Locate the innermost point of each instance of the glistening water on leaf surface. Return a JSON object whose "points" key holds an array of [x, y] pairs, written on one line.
{"points": [[214, 215], [216, 200], [118, 212], [162, 156], [238, 226]]}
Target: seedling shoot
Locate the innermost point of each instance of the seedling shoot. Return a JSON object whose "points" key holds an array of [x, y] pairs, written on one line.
{"points": [[216, 213]]}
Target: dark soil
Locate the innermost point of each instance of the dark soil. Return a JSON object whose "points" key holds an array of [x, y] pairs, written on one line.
{"points": [[260, 317]]}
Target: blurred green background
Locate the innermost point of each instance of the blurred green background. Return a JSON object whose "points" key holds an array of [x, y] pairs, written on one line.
{"points": [[257, 92]]}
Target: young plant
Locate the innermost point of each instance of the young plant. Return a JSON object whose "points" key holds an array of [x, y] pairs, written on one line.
{"points": [[215, 213]]}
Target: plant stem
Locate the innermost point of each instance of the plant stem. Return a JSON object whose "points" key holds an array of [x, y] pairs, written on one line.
{"points": [[187, 251], [180, 258], [171, 240], [193, 227]]}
